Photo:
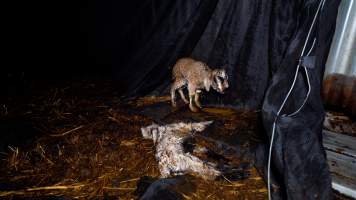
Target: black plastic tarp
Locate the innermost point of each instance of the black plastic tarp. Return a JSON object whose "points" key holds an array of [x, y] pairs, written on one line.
{"points": [[259, 42], [298, 158]]}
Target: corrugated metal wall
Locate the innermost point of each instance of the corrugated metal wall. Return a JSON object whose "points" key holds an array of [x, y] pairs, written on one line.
{"points": [[339, 88], [342, 56]]}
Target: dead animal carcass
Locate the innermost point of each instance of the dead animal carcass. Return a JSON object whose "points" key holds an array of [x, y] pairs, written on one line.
{"points": [[170, 154]]}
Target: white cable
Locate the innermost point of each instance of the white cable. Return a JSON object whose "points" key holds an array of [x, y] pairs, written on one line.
{"points": [[306, 98], [308, 81], [311, 48], [287, 96]]}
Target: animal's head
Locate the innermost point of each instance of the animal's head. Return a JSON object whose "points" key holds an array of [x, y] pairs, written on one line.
{"points": [[220, 80], [151, 132]]}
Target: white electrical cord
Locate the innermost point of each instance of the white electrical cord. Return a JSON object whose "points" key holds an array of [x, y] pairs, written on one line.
{"points": [[287, 96], [309, 86]]}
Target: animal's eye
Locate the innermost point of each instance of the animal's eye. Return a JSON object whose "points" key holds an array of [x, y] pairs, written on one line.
{"points": [[224, 76]]}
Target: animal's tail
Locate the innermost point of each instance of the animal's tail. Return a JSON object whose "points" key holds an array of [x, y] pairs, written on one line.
{"points": [[174, 73], [173, 77]]}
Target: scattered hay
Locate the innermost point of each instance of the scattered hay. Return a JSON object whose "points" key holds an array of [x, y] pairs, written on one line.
{"points": [[92, 147]]}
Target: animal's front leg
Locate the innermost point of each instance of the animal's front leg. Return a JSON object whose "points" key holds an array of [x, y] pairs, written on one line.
{"points": [[196, 99], [178, 84], [191, 104], [182, 96], [191, 90]]}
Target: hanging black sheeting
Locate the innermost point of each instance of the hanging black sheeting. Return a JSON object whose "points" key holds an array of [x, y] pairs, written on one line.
{"points": [[249, 37], [260, 43], [299, 166], [235, 33]]}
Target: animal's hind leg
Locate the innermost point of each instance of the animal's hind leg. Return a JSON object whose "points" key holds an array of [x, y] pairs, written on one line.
{"points": [[173, 97], [178, 83], [206, 170], [182, 96], [196, 99]]}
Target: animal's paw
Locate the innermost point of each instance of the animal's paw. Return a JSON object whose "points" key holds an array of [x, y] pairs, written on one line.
{"points": [[199, 105], [174, 104], [193, 108]]}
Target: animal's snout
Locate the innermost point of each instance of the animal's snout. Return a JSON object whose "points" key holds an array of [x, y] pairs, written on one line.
{"points": [[221, 91], [226, 84], [223, 86]]}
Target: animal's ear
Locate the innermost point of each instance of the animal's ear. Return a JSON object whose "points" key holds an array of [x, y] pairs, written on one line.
{"points": [[147, 132], [215, 72], [155, 135]]}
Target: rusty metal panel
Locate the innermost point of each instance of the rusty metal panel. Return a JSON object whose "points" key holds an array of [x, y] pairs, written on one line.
{"points": [[339, 87]]}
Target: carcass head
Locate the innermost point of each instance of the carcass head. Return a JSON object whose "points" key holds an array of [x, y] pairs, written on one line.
{"points": [[151, 132]]}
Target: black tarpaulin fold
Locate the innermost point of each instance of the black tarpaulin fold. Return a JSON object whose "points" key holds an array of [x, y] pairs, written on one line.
{"points": [[298, 157]]}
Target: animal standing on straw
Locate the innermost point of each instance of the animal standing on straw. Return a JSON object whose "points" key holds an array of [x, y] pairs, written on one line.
{"points": [[196, 75], [170, 154]]}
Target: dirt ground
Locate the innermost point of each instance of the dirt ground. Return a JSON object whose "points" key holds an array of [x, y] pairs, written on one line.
{"points": [[79, 140]]}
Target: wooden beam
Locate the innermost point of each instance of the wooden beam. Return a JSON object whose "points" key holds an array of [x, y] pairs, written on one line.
{"points": [[344, 185], [341, 164], [341, 155], [339, 143]]}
